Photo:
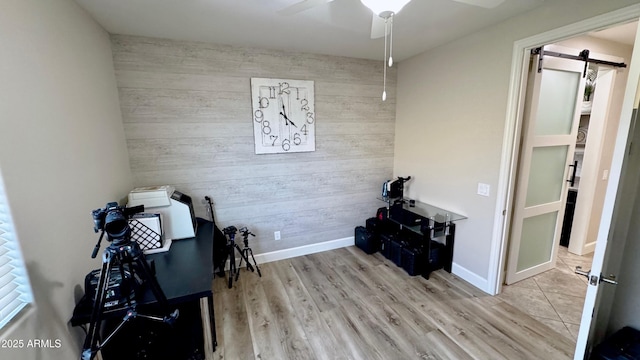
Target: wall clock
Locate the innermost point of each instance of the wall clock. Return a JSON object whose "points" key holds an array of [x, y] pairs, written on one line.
{"points": [[284, 118]]}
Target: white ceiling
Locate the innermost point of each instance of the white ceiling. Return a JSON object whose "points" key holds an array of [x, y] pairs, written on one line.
{"points": [[341, 27]]}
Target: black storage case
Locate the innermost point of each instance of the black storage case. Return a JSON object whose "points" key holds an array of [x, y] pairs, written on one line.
{"points": [[413, 260], [374, 225], [366, 240], [437, 255], [385, 245], [384, 226], [395, 251]]}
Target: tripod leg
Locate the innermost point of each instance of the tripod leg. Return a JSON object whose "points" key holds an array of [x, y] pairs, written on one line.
{"points": [[232, 265], [90, 347], [121, 261], [254, 261], [243, 255], [169, 317], [239, 266]]}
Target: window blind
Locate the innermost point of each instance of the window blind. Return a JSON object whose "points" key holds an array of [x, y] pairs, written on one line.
{"points": [[15, 291]]}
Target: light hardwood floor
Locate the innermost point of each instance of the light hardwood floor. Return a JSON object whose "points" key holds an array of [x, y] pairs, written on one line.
{"points": [[344, 304]]}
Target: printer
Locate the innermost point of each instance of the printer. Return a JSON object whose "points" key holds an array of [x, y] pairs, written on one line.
{"points": [[176, 208]]}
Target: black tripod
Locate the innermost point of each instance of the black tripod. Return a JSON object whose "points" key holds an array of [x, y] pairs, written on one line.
{"points": [[129, 258], [246, 251], [231, 231]]}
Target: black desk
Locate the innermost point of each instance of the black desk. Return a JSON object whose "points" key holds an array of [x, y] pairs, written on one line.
{"points": [[184, 273]]}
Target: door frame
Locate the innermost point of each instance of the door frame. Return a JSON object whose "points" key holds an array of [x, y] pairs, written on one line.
{"points": [[513, 128]]}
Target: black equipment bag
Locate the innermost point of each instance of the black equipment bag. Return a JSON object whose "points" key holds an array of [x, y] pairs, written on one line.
{"points": [[220, 253], [395, 251], [413, 260], [366, 240]]}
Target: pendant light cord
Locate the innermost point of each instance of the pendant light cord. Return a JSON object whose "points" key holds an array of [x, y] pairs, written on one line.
{"points": [[391, 41], [384, 76]]}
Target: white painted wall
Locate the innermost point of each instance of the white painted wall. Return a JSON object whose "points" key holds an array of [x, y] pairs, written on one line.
{"points": [[62, 153], [450, 119]]}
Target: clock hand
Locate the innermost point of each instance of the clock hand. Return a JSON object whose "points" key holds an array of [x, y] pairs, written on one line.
{"points": [[284, 113], [287, 120]]}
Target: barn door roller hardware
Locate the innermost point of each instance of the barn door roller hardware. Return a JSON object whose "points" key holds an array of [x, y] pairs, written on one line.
{"points": [[583, 56]]}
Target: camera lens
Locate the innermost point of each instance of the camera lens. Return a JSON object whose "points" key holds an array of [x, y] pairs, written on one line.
{"points": [[115, 224]]}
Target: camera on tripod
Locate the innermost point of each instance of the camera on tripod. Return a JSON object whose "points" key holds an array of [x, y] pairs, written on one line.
{"points": [[230, 231], [245, 233], [124, 267], [114, 220]]}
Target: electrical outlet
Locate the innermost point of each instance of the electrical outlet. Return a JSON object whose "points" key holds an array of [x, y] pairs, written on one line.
{"points": [[484, 189], [276, 235]]}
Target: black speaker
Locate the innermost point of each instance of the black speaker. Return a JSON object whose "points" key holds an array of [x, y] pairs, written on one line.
{"points": [[366, 240]]}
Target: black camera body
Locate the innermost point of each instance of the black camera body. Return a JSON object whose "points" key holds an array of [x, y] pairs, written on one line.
{"points": [[245, 233], [230, 231], [114, 220]]}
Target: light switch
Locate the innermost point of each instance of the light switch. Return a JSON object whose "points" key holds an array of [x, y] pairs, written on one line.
{"points": [[484, 189], [605, 175]]}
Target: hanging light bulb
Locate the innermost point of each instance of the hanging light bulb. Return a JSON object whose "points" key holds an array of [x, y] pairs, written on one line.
{"points": [[386, 9]]}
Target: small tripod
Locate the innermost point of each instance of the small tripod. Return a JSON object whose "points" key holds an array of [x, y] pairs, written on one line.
{"points": [[246, 251], [231, 231], [127, 256]]}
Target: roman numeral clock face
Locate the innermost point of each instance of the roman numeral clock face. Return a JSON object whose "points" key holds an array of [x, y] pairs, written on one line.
{"points": [[283, 115]]}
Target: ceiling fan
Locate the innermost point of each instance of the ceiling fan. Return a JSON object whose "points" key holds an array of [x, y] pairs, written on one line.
{"points": [[382, 23], [378, 20]]}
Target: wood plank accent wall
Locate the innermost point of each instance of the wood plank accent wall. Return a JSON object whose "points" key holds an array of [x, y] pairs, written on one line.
{"points": [[187, 115]]}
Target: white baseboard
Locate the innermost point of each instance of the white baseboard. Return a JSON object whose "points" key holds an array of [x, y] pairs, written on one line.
{"points": [[457, 270], [470, 277], [304, 250], [298, 251], [589, 248]]}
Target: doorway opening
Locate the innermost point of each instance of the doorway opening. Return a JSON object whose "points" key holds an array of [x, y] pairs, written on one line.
{"points": [[570, 115], [580, 215]]}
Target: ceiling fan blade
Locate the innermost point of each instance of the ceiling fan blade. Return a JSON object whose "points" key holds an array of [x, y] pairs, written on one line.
{"points": [[489, 4], [377, 27], [302, 6]]}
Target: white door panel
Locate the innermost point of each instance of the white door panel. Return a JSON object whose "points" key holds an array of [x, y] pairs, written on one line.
{"points": [[551, 118]]}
